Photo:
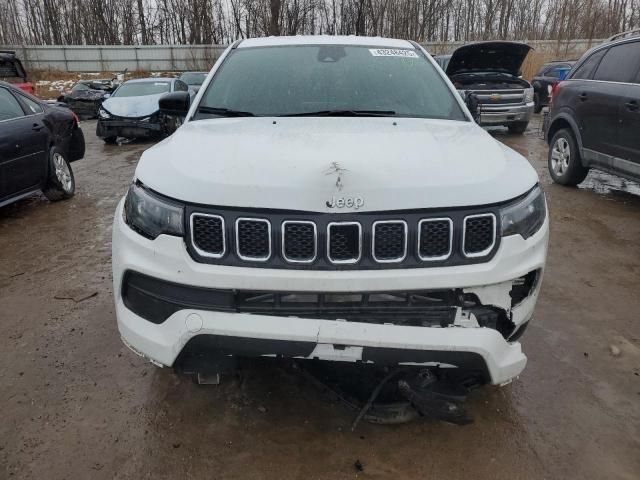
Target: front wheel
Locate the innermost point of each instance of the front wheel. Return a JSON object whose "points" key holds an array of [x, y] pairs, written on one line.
{"points": [[518, 127], [564, 162], [61, 183]]}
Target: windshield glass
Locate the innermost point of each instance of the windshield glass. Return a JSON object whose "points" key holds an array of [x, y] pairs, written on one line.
{"points": [[298, 80], [80, 86], [193, 78], [140, 89]]}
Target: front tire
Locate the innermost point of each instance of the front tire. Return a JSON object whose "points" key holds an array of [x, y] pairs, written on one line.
{"points": [[518, 127], [564, 162], [61, 183]]}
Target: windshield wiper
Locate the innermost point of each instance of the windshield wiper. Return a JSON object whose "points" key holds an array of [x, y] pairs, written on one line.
{"points": [[224, 112], [343, 113]]}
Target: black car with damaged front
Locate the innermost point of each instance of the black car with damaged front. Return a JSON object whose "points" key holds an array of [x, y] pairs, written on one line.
{"points": [[133, 110], [86, 96]]}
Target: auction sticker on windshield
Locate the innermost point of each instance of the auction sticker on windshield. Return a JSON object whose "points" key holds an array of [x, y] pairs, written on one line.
{"points": [[393, 52]]}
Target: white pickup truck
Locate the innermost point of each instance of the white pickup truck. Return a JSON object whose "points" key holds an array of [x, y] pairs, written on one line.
{"points": [[329, 198]]}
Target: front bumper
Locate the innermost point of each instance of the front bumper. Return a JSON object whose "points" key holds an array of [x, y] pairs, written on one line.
{"points": [[166, 258], [505, 114], [127, 128]]}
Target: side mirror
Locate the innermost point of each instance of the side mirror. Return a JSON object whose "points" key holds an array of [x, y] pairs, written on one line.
{"points": [[175, 103], [106, 95], [472, 103]]}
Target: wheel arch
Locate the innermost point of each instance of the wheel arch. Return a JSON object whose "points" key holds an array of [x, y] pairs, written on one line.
{"points": [[565, 121]]}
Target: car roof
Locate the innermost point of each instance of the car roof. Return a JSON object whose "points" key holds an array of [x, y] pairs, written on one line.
{"points": [[325, 40], [20, 91], [150, 79], [558, 62]]}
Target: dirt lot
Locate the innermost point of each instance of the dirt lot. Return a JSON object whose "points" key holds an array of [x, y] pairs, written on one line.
{"points": [[77, 404]]}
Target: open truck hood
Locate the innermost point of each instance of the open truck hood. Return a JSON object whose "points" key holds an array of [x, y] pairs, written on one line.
{"points": [[303, 163], [504, 57]]}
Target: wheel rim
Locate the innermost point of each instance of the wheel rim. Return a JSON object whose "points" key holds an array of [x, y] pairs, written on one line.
{"points": [[560, 156], [63, 174]]}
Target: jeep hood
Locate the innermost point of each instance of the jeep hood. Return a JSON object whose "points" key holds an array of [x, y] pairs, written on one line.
{"points": [[132, 106], [504, 57], [303, 163]]}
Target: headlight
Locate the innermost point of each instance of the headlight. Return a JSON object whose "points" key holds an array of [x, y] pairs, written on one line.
{"points": [[102, 113], [528, 95], [526, 216], [150, 215]]}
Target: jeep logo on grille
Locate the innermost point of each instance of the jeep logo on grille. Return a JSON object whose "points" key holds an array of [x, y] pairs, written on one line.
{"points": [[345, 202]]}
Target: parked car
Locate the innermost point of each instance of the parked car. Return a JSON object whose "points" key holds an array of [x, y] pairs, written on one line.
{"points": [[86, 96], [330, 198], [491, 71], [12, 71], [133, 110], [38, 142], [193, 79], [595, 115], [543, 81]]}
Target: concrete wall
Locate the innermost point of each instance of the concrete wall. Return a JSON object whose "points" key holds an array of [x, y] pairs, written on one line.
{"points": [[112, 58]]}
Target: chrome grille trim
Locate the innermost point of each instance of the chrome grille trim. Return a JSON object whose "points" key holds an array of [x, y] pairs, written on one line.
{"points": [[349, 261], [253, 259], [315, 241], [464, 231], [373, 241], [204, 253], [441, 257]]}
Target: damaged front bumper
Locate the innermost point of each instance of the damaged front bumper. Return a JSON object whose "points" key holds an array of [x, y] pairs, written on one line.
{"points": [[468, 316], [504, 115], [129, 128]]}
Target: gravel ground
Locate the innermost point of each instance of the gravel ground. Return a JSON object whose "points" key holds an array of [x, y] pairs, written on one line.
{"points": [[77, 404]]}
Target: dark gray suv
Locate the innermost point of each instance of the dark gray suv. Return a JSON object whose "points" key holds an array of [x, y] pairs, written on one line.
{"points": [[594, 120]]}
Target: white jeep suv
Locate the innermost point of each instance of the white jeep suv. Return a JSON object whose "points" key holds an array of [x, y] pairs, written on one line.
{"points": [[329, 198]]}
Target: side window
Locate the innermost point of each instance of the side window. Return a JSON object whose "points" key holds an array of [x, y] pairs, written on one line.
{"points": [[554, 72], [620, 64], [9, 106], [585, 71], [181, 86], [32, 106]]}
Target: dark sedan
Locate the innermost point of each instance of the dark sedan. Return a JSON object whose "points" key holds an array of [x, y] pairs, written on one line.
{"points": [[38, 141], [543, 81]]}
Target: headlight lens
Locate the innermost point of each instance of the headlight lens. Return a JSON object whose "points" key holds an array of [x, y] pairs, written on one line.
{"points": [[102, 113], [528, 95], [526, 216], [150, 215]]}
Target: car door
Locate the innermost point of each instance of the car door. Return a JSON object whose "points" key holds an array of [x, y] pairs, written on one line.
{"points": [[581, 95], [628, 133], [23, 140], [613, 78]]}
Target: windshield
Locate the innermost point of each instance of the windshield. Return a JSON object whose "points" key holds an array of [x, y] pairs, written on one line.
{"points": [[140, 89], [79, 87], [299, 80], [193, 78]]}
